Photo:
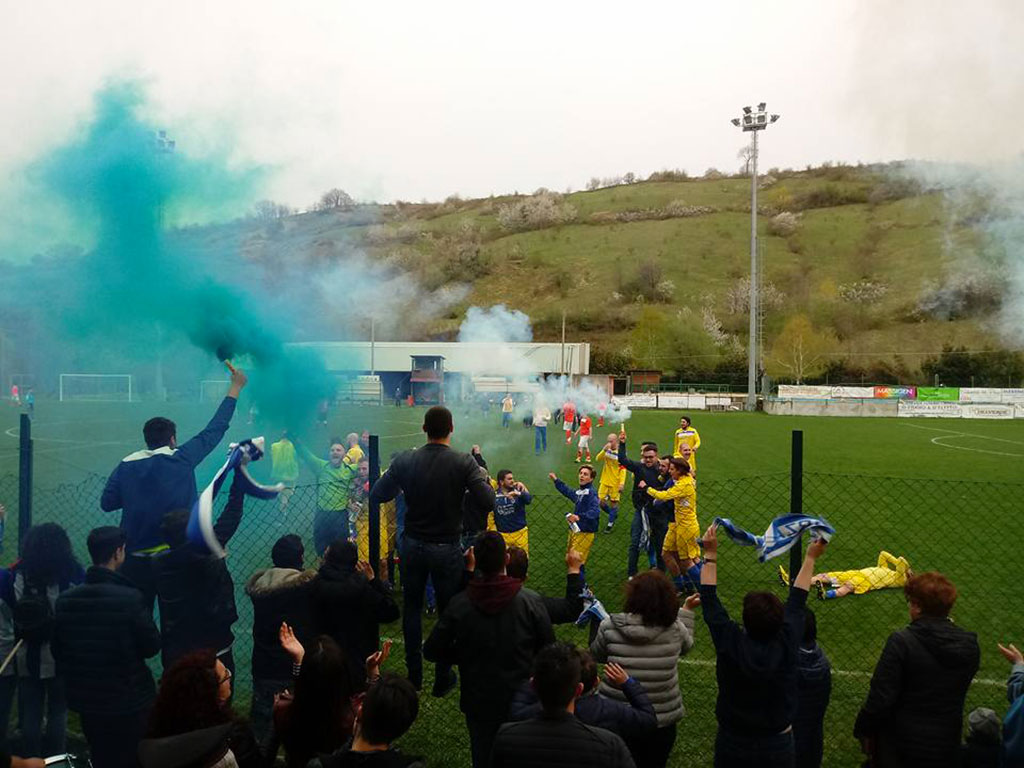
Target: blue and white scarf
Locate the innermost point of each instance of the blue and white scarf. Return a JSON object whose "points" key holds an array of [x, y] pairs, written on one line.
{"points": [[200, 522], [783, 532]]}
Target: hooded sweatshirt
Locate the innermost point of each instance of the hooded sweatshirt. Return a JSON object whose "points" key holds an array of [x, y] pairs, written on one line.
{"points": [[915, 705], [492, 631], [278, 594], [650, 654]]}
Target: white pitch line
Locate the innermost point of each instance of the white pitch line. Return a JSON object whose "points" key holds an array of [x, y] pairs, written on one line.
{"points": [[395, 641], [949, 433]]}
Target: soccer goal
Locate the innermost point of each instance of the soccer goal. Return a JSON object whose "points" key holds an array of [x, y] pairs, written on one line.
{"points": [[213, 390], [97, 387]]}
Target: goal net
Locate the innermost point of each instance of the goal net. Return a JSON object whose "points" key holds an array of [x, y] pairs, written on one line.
{"points": [[96, 387], [213, 390]]}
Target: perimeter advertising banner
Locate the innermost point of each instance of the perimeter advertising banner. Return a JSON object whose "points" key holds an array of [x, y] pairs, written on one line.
{"points": [[857, 393], [939, 394], [940, 410], [979, 411], [902, 393]]}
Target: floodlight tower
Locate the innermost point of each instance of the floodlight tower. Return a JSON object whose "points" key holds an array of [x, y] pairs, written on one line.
{"points": [[753, 122]]}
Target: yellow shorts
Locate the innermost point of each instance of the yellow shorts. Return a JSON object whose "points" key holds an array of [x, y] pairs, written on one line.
{"points": [[682, 540], [581, 542], [363, 538], [520, 538], [610, 492]]}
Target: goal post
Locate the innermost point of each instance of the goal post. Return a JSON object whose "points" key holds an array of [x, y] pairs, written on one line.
{"points": [[213, 390], [97, 387]]}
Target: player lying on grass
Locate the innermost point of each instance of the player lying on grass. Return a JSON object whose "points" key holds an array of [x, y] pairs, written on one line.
{"points": [[586, 514], [680, 550], [889, 572]]}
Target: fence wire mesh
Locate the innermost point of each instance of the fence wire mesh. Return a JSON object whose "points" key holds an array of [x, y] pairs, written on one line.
{"points": [[969, 530]]}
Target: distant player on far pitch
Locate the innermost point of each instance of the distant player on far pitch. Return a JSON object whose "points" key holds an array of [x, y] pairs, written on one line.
{"points": [[585, 430]]}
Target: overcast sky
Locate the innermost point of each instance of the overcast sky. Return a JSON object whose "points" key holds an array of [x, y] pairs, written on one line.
{"points": [[416, 100]]}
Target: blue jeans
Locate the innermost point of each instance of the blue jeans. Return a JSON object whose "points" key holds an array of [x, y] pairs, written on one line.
{"points": [[329, 525], [734, 751], [636, 529], [506, 418], [33, 695], [261, 713], [443, 565], [540, 440]]}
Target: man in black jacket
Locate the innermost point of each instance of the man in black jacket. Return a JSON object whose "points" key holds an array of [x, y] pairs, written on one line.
{"points": [[633, 718], [194, 586], [561, 610], [349, 604], [756, 665], [434, 481], [279, 594], [103, 634], [558, 739], [647, 471], [474, 517], [492, 631], [914, 711]]}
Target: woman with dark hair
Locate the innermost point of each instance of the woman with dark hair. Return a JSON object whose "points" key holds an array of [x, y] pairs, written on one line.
{"points": [[647, 640], [318, 717], [47, 567], [192, 724]]}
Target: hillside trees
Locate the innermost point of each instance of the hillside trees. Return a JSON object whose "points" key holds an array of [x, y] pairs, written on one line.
{"points": [[800, 350]]}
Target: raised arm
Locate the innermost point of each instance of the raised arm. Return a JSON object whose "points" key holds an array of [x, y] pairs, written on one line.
{"points": [[315, 462], [624, 460], [231, 515], [481, 494], [563, 489], [803, 578], [200, 446]]}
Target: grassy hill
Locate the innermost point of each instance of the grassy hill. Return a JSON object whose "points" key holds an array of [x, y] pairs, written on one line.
{"points": [[651, 273]]}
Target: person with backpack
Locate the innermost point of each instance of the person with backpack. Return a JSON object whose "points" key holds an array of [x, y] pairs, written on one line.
{"points": [[46, 569]]}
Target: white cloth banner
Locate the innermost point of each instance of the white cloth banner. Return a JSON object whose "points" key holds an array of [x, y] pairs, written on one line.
{"points": [[1013, 395], [861, 393], [977, 411], [981, 395], [930, 409], [636, 401], [804, 392], [681, 400], [1018, 411]]}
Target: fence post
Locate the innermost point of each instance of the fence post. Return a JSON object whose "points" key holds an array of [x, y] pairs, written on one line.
{"points": [[24, 478], [374, 508], [796, 497]]}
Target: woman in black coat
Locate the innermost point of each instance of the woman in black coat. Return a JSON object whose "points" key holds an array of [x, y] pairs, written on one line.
{"points": [[913, 715]]}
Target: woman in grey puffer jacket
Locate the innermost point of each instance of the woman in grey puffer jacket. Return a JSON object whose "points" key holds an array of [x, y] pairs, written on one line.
{"points": [[647, 641]]}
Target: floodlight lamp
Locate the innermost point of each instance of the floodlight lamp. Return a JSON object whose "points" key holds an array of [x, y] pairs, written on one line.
{"points": [[774, 118], [761, 107], [746, 110], [762, 118], [736, 122]]}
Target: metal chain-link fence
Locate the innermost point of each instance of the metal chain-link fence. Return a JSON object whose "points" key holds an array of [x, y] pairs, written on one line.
{"points": [[971, 531]]}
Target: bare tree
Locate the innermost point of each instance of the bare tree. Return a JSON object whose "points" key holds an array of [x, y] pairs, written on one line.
{"points": [[268, 210], [334, 199], [746, 154]]}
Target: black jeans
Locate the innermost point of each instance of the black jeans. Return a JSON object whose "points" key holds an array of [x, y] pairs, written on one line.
{"points": [[443, 565], [482, 732], [114, 739], [138, 569], [261, 712], [734, 751], [652, 749]]}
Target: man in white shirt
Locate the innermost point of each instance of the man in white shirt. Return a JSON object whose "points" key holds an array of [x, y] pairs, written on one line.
{"points": [[541, 417]]}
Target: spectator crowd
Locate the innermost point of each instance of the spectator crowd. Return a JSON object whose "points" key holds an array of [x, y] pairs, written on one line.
{"points": [[81, 640]]}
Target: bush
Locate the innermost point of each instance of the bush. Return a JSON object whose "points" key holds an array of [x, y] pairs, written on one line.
{"points": [[784, 224], [863, 292], [677, 174], [831, 196], [713, 174], [536, 212], [737, 298]]}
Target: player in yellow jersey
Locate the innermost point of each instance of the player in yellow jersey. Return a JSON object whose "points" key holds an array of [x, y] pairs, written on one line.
{"points": [[284, 468], [354, 454], [680, 550], [686, 435], [613, 478], [890, 572]]}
